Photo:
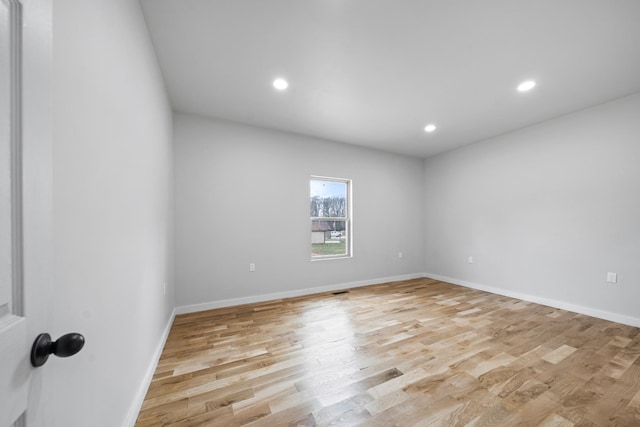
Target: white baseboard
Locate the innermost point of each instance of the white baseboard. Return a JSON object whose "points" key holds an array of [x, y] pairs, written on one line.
{"points": [[290, 294], [589, 311], [134, 410]]}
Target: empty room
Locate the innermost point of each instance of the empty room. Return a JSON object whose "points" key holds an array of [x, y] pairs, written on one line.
{"points": [[319, 213]]}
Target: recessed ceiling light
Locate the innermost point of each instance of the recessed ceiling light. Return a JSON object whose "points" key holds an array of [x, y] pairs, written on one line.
{"points": [[430, 128], [280, 84], [525, 86]]}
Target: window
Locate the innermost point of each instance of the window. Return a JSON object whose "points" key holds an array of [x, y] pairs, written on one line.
{"points": [[330, 215]]}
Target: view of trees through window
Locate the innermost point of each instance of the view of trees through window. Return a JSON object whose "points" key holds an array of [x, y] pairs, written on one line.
{"points": [[330, 220]]}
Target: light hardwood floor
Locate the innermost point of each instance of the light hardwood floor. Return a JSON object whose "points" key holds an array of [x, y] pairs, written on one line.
{"points": [[418, 352]]}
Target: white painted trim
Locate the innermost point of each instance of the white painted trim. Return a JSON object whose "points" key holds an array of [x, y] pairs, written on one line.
{"points": [[16, 162], [290, 294], [589, 311], [136, 405]]}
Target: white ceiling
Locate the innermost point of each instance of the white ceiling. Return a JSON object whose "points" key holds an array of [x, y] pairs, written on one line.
{"points": [[375, 72]]}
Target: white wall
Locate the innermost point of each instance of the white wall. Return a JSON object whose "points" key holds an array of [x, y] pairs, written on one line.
{"points": [[545, 212], [112, 176], [242, 196]]}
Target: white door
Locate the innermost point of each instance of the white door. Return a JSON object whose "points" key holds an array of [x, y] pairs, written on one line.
{"points": [[25, 257], [13, 328]]}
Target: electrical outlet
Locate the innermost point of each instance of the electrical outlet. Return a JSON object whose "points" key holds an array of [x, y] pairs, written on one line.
{"points": [[252, 267], [612, 277], [470, 259], [399, 254]]}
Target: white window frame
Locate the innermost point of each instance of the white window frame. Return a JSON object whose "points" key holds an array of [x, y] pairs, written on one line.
{"points": [[348, 219]]}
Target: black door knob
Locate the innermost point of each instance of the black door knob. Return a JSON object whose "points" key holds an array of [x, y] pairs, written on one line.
{"points": [[67, 345]]}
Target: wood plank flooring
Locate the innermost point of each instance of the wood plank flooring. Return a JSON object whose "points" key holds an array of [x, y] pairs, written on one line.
{"points": [[412, 353]]}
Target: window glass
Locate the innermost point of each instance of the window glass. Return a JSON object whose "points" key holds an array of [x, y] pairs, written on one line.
{"points": [[330, 218]]}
